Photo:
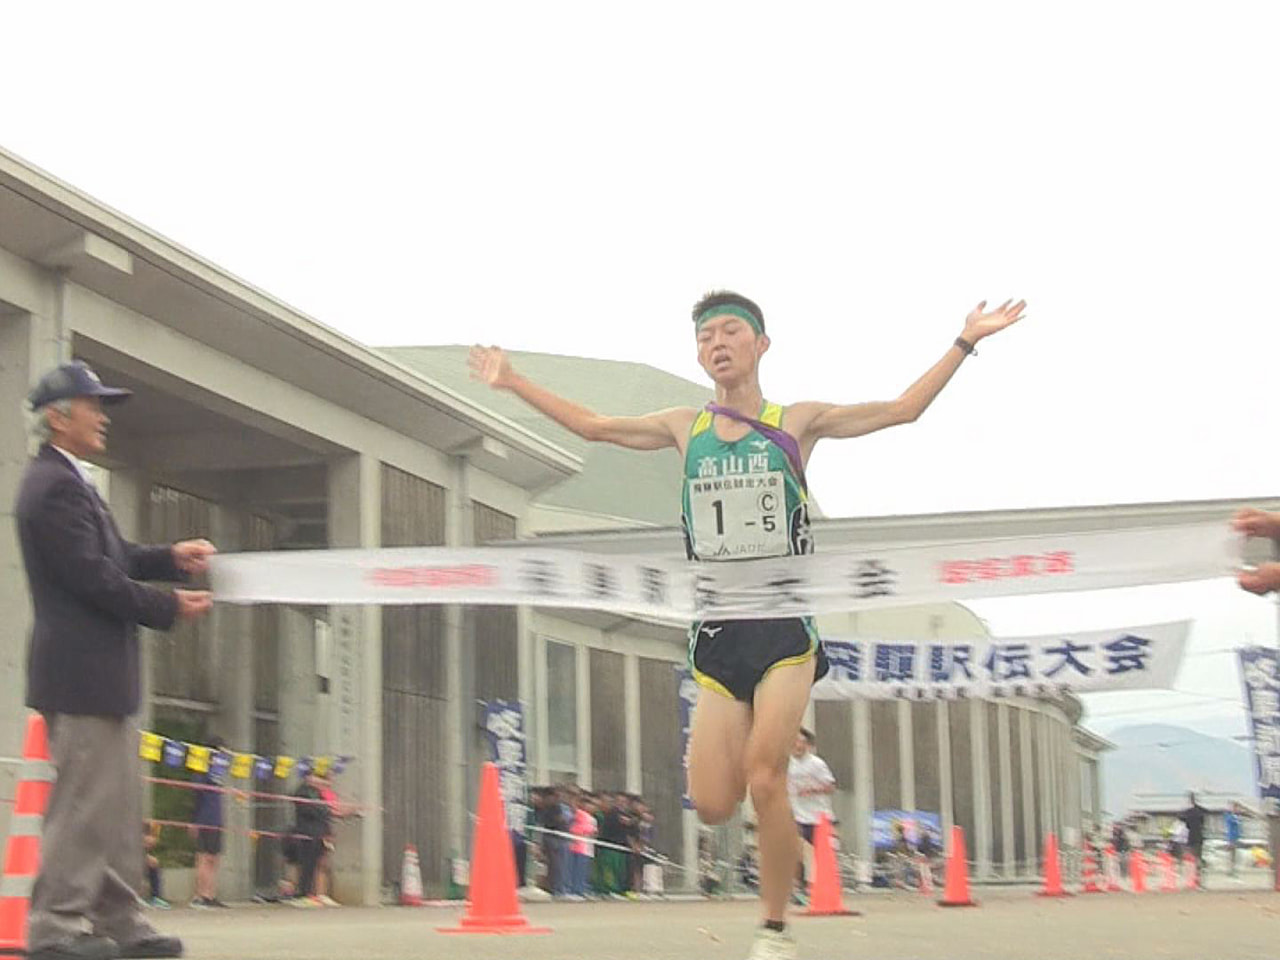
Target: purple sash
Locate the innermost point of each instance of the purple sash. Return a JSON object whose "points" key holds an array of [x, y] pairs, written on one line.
{"points": [[786, 441]]}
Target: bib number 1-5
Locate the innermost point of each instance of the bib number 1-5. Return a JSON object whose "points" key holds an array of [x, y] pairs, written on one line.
{"points": [[740, 517]]}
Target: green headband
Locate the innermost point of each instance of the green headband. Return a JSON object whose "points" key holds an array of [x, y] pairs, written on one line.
{"points": [[742, 313]]}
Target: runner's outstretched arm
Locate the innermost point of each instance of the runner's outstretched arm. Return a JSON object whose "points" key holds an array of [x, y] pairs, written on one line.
{"points": [[654, 431], [812, 422]]}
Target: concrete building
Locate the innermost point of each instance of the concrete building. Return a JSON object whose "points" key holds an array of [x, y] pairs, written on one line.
{"points": [[263, 429], [259, 427]]}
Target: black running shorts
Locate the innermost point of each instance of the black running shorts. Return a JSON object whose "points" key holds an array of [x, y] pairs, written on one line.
{"points": [[733, 656]]}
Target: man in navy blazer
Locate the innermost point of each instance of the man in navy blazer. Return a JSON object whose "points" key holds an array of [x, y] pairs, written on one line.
{"points": [[88, 590]]}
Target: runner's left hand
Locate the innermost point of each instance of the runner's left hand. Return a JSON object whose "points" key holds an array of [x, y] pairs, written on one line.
{"points": [[979, 324]]}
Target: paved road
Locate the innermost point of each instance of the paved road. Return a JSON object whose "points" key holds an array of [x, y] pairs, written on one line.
{"points": [[1009, 925]]}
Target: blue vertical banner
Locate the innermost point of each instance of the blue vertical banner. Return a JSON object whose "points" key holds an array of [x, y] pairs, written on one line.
{"points": [[687, 694], [504, 729], [1260, 672]]}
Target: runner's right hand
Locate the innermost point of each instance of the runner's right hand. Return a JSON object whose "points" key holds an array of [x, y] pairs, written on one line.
{"points": [[490, 365]]}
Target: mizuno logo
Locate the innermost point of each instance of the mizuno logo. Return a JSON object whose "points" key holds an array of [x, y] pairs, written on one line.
{"points": [[711, 631], [760, 444]]}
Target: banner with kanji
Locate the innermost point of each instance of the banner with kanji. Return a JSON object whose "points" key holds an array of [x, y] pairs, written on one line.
{"points": [[1130, 658], [504, 730], [1260, 671], [873, 576]]}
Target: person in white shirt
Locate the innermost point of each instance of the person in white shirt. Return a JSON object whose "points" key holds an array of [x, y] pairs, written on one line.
{"points": [[810, 784]]}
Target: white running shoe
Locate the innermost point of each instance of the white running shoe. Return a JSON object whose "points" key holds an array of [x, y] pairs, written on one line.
{"points": [[772, 945]]}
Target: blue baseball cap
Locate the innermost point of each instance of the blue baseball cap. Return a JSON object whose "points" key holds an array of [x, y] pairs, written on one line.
{"points": [[71, 380]]}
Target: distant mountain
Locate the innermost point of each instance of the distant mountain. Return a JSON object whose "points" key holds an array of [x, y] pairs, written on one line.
{"points": [[1165, 758]]}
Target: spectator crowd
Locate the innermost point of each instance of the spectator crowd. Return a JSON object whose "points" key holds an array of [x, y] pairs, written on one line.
{"points": [[579, 844]]}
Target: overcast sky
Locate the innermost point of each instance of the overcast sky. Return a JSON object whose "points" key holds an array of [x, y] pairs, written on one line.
{"points": [[569, 178]]}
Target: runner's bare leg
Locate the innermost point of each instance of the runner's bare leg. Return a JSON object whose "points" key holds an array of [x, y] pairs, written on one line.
{"points": [[717, 751], [780, 702]]}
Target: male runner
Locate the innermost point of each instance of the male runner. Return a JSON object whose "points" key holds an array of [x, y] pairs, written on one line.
{"points": [[760, 671]]}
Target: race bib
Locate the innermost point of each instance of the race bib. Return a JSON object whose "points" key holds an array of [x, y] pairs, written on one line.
{"points": [[739, 517]]}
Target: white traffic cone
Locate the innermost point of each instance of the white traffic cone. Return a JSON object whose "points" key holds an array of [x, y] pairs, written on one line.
{"points": [[411, 878]]}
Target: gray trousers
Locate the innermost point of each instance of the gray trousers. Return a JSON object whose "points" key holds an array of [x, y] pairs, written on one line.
{"points": [[91, 851]]}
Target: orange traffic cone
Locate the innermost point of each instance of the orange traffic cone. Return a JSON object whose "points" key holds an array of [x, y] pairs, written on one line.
{"points": [[1138, 871], [1052, 870], [492, 906], [1091, 884], [1190, 872], [411, 878], [22, 856], [956, 891], [1111, 865], [826, 898]]}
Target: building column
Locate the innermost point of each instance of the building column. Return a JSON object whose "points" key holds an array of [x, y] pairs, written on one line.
{"points": [[1070, 773], [946, 784], [1006, 791], [1055, 780], [355, 520], [631, 706], [1059, 787], [459, 709], [233, 646], [1028, 773], [526, 660], [306, 723], [1047, 811], [1062, 792], [692, 830], [906, 755], [1073, 773], [29, 346], [299, 689], [1095, 764], [1063, 789], [526, 686], [863, 788], [582, 690], [541, 731], [982, 845]]}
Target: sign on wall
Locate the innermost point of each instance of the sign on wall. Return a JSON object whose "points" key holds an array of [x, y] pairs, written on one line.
{"points": [[504, 731], [1260, 672], [1129, 658]]}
